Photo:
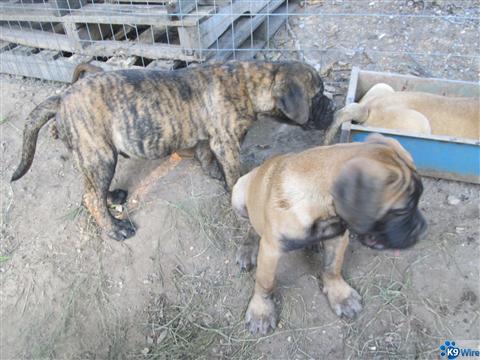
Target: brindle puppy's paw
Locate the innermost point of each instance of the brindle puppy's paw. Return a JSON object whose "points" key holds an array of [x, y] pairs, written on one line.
{"points": [[260, 316], [315, 248], [117, 197], [344, 300], [122, 230], [246, 256], [54, 131], [214, 171]]}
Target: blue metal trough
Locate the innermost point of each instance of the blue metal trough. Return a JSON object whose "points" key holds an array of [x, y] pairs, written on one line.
{"points": [[437, 156]]}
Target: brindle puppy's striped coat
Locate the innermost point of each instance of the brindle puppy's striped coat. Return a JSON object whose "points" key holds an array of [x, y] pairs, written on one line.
{"points": [[150, 114]]}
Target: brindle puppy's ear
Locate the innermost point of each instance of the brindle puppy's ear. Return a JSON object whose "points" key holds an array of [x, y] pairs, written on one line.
{"points": [[291, 98], [358, 193]]}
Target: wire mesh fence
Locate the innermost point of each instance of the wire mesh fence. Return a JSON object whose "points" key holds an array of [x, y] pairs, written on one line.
{"points": [[48, 38]]}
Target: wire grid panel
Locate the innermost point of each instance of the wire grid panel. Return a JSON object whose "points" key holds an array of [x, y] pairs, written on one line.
{"points": [[47, 39]]}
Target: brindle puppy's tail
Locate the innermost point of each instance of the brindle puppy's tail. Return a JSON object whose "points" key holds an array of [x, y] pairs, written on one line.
{"points": [[37, 118], [352, 111], [82, 69]]}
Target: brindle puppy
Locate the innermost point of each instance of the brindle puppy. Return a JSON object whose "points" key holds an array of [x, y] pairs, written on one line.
{"points": [[150, 114]]}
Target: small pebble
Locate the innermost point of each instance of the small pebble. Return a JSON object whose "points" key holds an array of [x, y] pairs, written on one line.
{"points": [[453, 200], [145, 351], [350, 53]]}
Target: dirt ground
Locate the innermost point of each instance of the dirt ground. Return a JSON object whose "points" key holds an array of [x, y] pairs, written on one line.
{"points": [[174, 290]]}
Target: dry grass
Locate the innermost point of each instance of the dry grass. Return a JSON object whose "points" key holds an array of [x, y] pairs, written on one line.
{"points": [[74, 213], [204, 321], [85, 303], [198, 327], [8, 244], [209, 216], [389, 328], [196, 312], [187, 329]]}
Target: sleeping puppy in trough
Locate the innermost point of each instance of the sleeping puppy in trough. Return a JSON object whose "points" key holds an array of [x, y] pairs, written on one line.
{"points": [[368, 190], [150, 114], [411, 112]]}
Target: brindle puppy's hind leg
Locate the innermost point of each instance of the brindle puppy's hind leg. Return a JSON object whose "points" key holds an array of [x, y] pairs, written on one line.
{"points": [[208, 161], [97, 171], [227, 152]]}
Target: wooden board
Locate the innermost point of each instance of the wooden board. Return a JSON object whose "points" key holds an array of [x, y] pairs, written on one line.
{"points": [[51, 41], [156, 15], [129, 48], [37, 39], [65, 6], [261, 35], [180, 8], [38, 66], [43, 12], [148, 36], [216, 32], [47, 65], [211, 29], [163, 2]]}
